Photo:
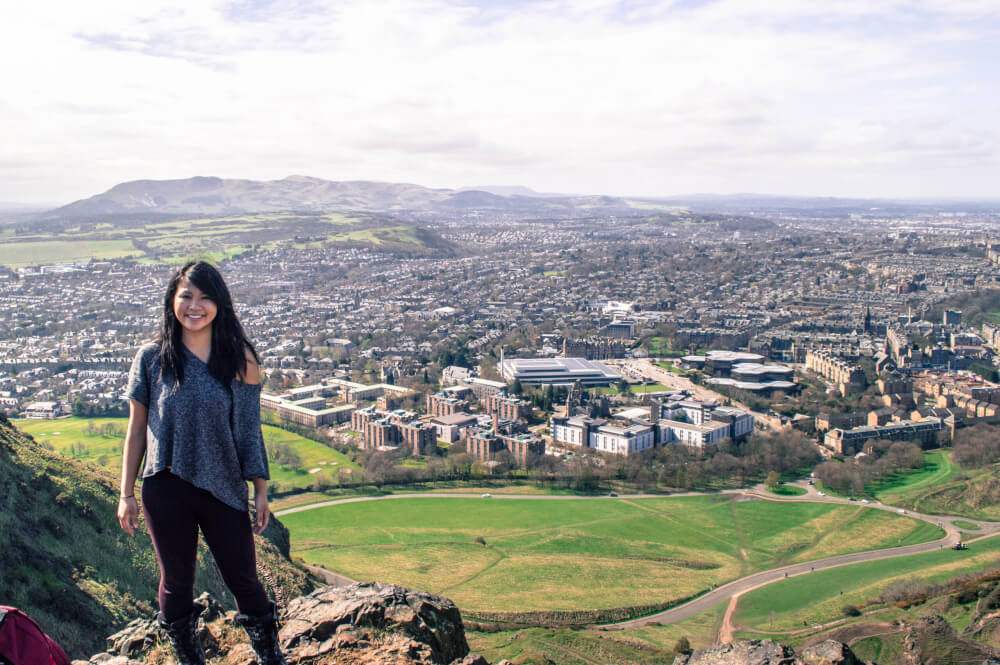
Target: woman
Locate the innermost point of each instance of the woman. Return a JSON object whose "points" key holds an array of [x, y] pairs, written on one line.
{"points": [[194, 405]]}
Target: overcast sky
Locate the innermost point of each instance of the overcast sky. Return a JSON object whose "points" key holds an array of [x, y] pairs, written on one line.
{"points": [[810, 97]]}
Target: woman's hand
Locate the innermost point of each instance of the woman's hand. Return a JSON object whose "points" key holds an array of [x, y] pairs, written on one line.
{"points": [[262, 512], [128, 514]]}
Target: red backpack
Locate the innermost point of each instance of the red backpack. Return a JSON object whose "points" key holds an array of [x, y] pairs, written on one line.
{"points": [[22, 642]]}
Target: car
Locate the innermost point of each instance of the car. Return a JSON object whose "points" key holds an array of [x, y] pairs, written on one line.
{"points": [[865, 501], [486, 496], [851, 498], [820, 493], [901, 511], [612, 494]]}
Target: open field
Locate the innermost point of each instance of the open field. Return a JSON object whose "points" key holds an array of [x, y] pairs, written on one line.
{"points": [[520, 555], [942, 488], [18, 254], [653, 644], [158, 240], [817, 598], [99, 440]]}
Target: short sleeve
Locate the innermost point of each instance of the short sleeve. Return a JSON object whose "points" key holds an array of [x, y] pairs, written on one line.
{"points": [[138, 377], [246, 431]]}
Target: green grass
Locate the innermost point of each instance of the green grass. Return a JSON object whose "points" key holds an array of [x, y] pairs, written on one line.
{"points": [[567, 555], [18, 254], [967, 526], [818, 597], [937, 469], [943, 488], [788, 490], [67, 435]]}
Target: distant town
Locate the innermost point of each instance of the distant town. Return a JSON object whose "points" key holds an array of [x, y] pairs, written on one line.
{"points": [[606, 336]]}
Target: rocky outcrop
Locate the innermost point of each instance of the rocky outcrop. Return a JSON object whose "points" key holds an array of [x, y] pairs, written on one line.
{"points": [[767, 652], [314, 620], [370, 623], [932, 641]]}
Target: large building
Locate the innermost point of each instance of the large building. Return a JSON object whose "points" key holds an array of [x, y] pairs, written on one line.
{"points": [[379, 429], [848, 376], [677, 419], [850, 441], [558, 371], [507, 406]]}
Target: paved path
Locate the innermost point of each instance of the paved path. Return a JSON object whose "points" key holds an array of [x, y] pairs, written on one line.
{"points": [[732, 590]]}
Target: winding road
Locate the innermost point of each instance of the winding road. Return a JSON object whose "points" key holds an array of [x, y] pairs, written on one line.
{"points": [[730, 591]]}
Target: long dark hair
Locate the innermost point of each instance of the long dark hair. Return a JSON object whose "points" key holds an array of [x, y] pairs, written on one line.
{"points": [[229, 343]]}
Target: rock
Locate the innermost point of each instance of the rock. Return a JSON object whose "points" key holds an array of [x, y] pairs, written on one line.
{"points": [[829, 652], [213, 610], [751, 652], [137, 637], [472, 659], [429, 621], [108, 659]]}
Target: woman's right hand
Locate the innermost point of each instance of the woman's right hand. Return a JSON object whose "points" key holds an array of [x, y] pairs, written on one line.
{"points": [[128, 514]]}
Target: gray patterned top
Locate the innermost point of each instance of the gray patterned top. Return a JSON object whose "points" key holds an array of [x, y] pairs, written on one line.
{"points": [[205, 433]]}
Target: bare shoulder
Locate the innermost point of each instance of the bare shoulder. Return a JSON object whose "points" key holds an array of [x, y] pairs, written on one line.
{"points": [[252, 373]]}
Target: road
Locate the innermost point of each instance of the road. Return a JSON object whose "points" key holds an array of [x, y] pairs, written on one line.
{"points": [[734, 589]]}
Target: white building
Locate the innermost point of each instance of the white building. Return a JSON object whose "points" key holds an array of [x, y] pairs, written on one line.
{"points": [[689, 434], [622, 440]]}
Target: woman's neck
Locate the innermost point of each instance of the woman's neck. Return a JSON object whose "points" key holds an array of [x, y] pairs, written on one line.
{"points": [[199, 343]]}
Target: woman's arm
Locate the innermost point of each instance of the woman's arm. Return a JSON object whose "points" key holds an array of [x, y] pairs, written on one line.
{"points": [[262, 512], [135, 448]]}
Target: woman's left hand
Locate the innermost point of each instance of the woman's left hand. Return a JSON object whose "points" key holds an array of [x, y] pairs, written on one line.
{"points": [[262, 512]]}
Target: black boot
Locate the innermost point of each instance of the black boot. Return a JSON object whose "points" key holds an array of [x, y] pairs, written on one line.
{"points": [[183, 634], [263, 633]]}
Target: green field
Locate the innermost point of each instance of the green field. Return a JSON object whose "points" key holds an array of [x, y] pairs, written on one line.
{"points": [[18, 254], [788, 490], [216, 237], [817, 598], [638, 646], [77, 438], [567, 554], [942, 488]]}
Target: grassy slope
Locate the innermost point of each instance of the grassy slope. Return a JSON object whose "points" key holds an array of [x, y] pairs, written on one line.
{"points": [[941, 487], [567, 555], [66, 433], [816, 598], [65, 560]]}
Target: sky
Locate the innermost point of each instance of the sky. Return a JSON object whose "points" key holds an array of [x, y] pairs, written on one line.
{"points": [[869, 98]]}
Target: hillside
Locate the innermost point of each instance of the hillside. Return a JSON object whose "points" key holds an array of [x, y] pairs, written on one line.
{"points": [[67, 563], [213, 196]]}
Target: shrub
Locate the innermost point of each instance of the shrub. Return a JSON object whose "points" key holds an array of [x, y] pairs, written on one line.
{"points": [[851, 611], [683, 645], [969, 595]]}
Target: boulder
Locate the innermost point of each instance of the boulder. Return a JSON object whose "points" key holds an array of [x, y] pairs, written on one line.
{"points": [[829, 652], [311, 623], [750, 652]]}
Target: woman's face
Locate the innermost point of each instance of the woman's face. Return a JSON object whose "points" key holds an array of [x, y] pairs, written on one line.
{"points": [[193, 308]]}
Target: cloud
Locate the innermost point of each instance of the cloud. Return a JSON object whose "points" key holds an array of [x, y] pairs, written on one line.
{"points": [[600, 96]]}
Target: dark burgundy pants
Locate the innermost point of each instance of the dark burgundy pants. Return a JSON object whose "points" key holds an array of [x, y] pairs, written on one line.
{"points": [[174, 510]]}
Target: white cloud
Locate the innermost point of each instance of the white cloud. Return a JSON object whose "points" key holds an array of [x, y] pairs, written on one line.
{"points": [[601, 96]]}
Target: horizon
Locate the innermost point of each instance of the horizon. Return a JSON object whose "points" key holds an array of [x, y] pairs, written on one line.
{"points": [[629, 98]]}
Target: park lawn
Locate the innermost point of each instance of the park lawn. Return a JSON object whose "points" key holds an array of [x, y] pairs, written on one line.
{"points": [[566, 647], [788, 490], [701, 630], [64, 434], [570, 554], [817, 598], [943, 488], [937, 469], [18, 254]]}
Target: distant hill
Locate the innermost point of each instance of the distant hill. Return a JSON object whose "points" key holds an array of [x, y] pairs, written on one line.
{"points": [[67, 563], [213, 196]]}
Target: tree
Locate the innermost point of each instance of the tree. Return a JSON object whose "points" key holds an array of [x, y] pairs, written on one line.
{"points": [[773, 480]]}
